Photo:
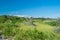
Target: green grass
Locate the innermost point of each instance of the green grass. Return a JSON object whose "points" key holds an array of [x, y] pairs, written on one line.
{"points": [[21, 29], [39, 32]]}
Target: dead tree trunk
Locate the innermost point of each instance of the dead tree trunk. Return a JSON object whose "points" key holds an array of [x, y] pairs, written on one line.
{"points": [[31, 21]]}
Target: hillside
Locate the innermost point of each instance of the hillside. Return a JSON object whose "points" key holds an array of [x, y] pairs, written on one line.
{"points": [[21, 28]]}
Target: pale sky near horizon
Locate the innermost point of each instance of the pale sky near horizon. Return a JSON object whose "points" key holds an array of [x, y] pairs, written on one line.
{"points": [[35, 8]]}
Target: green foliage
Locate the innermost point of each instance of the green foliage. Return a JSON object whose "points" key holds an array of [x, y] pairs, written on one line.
{"points": [[34, 35], [12, 26], [53, 23], [8, 29]]}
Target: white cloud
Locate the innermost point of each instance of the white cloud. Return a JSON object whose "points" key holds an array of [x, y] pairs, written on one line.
{"points": [[22, 16]]}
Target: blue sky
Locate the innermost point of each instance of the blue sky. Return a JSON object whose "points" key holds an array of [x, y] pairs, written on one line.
{"points": [[35, 8]]}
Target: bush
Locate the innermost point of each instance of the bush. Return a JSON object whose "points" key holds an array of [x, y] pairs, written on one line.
{"points": [[34, 35]]}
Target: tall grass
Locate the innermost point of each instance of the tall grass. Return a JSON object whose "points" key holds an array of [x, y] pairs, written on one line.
{"points": [[39, 32]]}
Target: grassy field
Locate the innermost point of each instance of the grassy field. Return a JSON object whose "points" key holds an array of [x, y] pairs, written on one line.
{"points": [[39, 32], [20, 28]]}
